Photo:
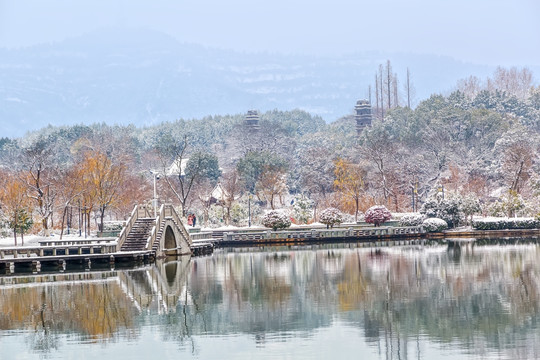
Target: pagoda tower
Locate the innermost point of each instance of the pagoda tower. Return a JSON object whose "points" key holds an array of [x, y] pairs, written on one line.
{"points": [[362, 115], [251, 121]]}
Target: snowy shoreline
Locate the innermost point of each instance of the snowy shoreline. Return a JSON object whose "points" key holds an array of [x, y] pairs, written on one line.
{"points": [[33, 240]]}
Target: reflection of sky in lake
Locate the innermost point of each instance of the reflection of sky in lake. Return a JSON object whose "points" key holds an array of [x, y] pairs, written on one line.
{"points": [[321, 302]]}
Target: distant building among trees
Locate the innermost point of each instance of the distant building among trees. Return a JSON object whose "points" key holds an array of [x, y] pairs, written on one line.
{"points": [[362, 115], [251, 121]]}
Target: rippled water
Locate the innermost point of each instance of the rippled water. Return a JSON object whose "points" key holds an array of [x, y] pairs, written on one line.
{"points": [[308, 302]]}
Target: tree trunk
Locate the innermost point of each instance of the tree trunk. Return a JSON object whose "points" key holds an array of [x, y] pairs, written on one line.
{"points": [[396, 92], [356, 210], [381, 88], [183, 209], [515, 183], [408, 89], [377, 93], [62, 227], [88, 223], [102, 215], [389, 82], [272, 202]]}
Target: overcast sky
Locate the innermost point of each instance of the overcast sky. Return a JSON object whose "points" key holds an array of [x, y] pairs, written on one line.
{"points": [[495, 32]]}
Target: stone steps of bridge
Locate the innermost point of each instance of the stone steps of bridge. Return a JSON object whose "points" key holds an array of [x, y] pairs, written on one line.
{"points": [[155, 245], [137, 237]]}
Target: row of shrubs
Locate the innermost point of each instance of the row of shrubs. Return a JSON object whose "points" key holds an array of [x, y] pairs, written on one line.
{"points": [[331, 217], [376, 215], [505, 223], [434, 225], [429, 224]]}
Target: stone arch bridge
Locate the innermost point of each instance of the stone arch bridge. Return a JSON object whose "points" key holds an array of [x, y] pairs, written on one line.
{"points": [[164, 235]]}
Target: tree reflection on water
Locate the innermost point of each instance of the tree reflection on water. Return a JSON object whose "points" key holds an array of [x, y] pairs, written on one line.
{"points": [[483, 299]]}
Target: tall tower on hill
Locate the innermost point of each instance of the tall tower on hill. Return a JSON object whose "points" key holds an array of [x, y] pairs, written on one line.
{"points": [[362, 115], [251, 121]]}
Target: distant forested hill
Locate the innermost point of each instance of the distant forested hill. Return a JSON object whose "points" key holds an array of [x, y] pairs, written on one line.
{"points": [[481, 143], [144, 78]]}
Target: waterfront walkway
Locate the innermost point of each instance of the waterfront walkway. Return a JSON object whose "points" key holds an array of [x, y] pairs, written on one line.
{"points": [[144, 238]]}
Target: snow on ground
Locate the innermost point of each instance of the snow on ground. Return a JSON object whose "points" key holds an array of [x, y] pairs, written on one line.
{"points": [[33, 240], [260, 228], [461, 228]]}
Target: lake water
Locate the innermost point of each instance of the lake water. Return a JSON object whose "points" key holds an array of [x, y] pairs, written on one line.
{"points": [[312, 302]]}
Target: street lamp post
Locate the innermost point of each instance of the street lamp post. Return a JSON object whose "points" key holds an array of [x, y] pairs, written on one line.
{"points": [[415, 196], [412, 196], [80, 223], [155, 199], [440, 190], [249, 211]]}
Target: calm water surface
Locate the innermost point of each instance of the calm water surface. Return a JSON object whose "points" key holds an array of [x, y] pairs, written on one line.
{"points": [[313, 302]]}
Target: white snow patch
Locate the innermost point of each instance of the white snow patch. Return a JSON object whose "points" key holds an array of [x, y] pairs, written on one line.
{"points": [[33, 240]]}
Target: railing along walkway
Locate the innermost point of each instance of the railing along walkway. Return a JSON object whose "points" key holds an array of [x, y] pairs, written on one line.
{"points": [[66, 249], [314, 234]]}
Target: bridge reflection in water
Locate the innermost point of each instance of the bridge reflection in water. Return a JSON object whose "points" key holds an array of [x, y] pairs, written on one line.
{"points": [[401, 302], [96, 305]]}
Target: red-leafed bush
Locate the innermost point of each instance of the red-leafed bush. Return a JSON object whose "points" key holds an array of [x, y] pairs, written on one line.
{"points": [[377, 215]]}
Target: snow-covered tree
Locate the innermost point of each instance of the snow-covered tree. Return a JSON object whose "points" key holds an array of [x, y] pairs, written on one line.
{"points": [[302, 209], [449, 208], [512, 202], [272, 186], [331, 217], [470, 206], [276, 220]]}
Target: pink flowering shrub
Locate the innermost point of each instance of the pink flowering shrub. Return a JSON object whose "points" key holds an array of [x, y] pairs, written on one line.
{"points": [[377, 215], [276, 220]]}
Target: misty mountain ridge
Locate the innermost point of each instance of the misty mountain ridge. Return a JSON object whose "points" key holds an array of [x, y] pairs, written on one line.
{"points": [[143, 78]]}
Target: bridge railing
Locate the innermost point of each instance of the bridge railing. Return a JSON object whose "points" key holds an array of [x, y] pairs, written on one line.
{"points": [[171, 213], [153, 234], [144, 211], [129, 224], [54, 250], [166, 211], [325, 233], [203, 235]]}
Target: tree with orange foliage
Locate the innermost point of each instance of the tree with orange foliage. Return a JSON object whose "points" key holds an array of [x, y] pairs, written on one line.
{"points": [[134, 190], [102, 179], [15, 205], [349, 182]]}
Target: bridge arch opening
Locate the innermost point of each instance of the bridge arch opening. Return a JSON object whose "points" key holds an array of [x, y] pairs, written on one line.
{"points": [[170, 239]]}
